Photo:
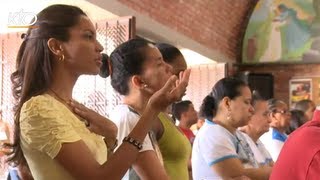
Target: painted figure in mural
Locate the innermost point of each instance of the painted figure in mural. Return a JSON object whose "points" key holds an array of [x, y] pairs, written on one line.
{"points": [[296, 33], [274, 48]]}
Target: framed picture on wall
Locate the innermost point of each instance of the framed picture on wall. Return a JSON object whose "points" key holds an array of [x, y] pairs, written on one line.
{"points": [[299, 89]]}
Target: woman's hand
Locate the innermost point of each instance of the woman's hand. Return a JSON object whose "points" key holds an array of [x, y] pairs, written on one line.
{"points": [[96, 123], [172, 91]]}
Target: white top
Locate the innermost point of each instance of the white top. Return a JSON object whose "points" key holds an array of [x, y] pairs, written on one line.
{"points": [[126, 120], [273, 140], [260, 152], [214, 144]]}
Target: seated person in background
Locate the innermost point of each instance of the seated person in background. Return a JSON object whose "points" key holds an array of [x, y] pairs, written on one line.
{"points": [[300, 155], [280, 120], [195, 127], [220, 151], [200, 123], [307, 106], [298, 118], [185, 113], [257, 126]]}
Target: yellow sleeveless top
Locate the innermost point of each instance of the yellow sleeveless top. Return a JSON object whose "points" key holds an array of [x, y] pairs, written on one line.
{"points": [[175, 149]]}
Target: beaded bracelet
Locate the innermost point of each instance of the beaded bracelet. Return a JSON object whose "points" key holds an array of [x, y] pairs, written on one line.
{"points": [[132, 141]]}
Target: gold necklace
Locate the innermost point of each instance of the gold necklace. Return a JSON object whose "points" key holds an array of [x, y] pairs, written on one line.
{"points": [[66, 103], [60, 98]]}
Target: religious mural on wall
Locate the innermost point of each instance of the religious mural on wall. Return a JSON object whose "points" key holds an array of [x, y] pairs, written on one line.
{"points": [[283, 31]]}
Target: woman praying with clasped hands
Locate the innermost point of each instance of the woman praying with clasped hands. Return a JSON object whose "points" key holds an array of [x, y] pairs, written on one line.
{"points": [[56, 137]]}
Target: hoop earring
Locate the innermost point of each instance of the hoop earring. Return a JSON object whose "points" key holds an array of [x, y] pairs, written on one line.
{"points": [[229, 114], [61, 58]]}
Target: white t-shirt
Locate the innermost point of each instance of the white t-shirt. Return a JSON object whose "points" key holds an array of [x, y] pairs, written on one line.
{"points": [[126, 120], [260, 152], [214, 144], [273, 140]]}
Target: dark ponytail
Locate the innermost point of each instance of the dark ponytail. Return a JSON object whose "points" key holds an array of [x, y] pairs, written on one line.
{"points": [[105, 69], [127, 60], [208, 108], [225, 87]]}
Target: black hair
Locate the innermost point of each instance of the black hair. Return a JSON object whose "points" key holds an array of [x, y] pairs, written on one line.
{"points": [[256, 97], [105, 67], [127, 60], [34, 63], [180, 107], [208, 108], [303, 105], [226, 87], [169, 52], [297, 119], [273, 104]]}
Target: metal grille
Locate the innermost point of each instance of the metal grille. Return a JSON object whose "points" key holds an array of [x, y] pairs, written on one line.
{"points": [[10, 44], [202, 79], [96, 92]]}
